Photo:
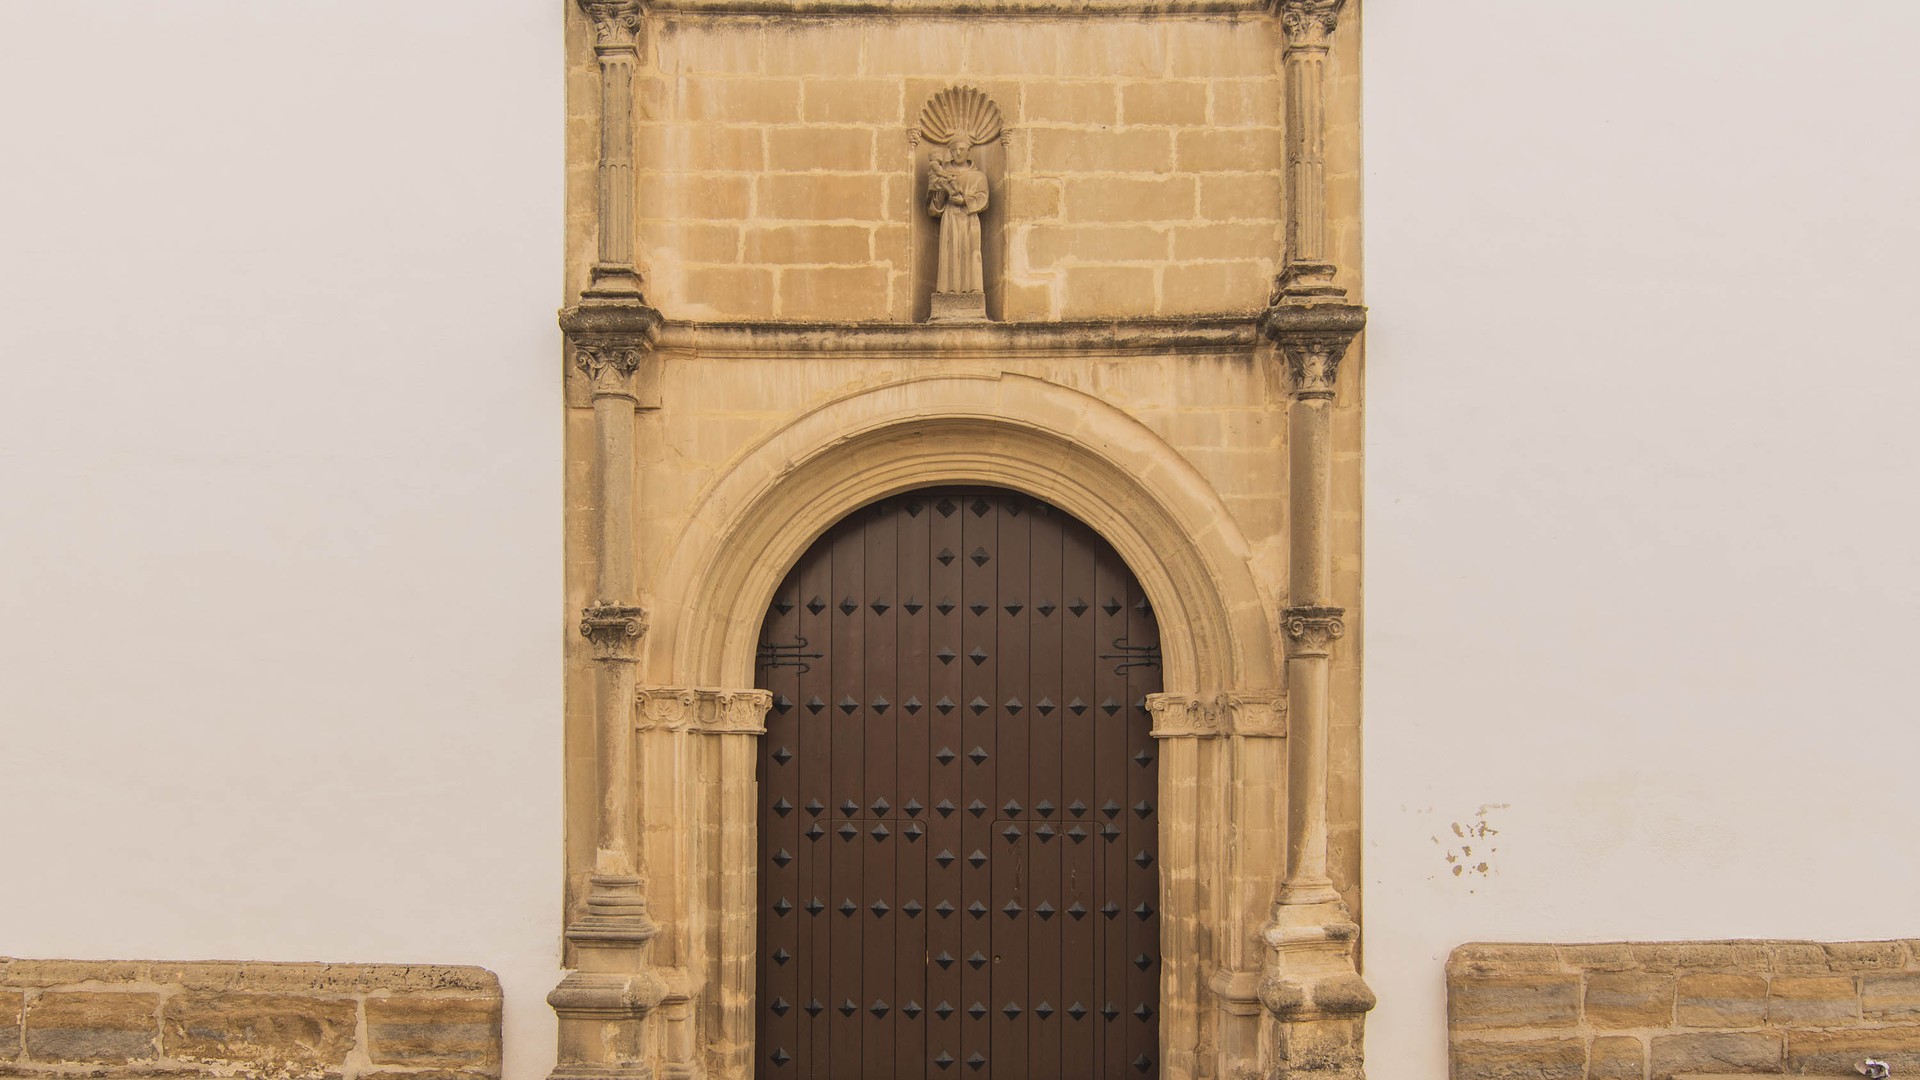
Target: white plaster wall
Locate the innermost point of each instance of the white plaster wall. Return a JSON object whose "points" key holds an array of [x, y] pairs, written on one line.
{"points": [[280, 485], [279, 462], [1642, 469]]}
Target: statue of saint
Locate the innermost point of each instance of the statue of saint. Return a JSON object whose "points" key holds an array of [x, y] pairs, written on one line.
{"points": [[956, 194]]}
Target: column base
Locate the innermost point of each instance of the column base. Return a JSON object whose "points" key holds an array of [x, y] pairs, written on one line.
{"points": [[958, 307], [1308, 282], [613, 284], [1312, 990]]}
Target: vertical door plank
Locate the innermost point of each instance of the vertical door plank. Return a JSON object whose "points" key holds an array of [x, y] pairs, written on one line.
{"points": [[911, 724], [846, 980], [1050, 919], [948, 761]]}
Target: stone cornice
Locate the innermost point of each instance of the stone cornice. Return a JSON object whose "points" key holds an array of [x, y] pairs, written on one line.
{"points": [[1132, 337], [701, 710], [1059, 8]]}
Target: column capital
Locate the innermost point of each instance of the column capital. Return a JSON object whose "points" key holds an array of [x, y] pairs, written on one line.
{"points": [[1313, 339], [702, 710], [609, 343], [1255, 713], [1308, 23], [613, 629], [616, 23], [1311, 631]]}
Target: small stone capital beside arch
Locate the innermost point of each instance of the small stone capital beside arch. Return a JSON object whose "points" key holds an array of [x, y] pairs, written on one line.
{"points": [[702, 710]]}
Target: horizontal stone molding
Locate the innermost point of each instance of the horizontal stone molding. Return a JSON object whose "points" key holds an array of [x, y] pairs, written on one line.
{"points": [[115, 1018], [1132, 337], [1260, 714], [1060, 8], [706, 711], [1665, 1009]]}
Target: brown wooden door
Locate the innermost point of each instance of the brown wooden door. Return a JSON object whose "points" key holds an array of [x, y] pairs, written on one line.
{"points": [[958, 835]]}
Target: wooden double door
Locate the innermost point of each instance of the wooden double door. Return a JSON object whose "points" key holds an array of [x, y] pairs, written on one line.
{"points": [[958, 788]]}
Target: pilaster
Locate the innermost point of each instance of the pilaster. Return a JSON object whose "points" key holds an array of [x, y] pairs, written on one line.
{"points": [[1309, 271]]}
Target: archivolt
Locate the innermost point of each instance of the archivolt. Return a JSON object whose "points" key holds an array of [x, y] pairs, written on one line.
{"points": [[1079, 453]]}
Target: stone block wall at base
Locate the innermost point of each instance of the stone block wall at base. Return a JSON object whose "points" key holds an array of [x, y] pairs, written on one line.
{"points": [[1656, 1010], [114, 1018]]}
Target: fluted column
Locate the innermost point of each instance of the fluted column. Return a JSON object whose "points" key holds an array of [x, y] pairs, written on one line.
{"points": [[617, 26], [1309, 271]]}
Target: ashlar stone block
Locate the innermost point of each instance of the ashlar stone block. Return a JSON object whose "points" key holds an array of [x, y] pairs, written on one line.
{"points": [[1721, 1001], [1515, 1001], [93, 1028], [1629, 1000], [1812, 1000], [434, 1032], [299, 1035], [1530, 1059], [1716, 1052]]}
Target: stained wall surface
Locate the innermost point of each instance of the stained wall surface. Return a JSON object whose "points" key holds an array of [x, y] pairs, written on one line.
{"points": [[280, 436]]}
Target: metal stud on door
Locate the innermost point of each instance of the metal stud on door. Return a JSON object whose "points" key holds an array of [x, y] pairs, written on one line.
{"points": [[958, 834]]}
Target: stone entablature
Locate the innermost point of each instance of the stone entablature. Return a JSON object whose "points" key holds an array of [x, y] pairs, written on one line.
{"points": [[1657, 1010], [121, 1018]]}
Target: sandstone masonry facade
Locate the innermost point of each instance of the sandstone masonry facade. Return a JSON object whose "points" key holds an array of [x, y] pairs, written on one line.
{"points": [[137, 1018], [1173, 359], [1656, 1010]]}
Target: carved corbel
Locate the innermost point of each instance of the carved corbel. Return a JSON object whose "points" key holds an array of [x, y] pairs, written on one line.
{"points": [[704, 711], [1311, 631]]}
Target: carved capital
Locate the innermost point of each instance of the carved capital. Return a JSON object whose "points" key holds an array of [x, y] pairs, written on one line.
{"points": [[1311, 631], [1309, 23], [1259, 713], [1177, 716], [1313, 340], [616, 23], [612, 345], [613, 628], [700, 710]]}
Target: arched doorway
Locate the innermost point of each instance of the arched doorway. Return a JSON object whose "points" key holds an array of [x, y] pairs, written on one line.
{"points": [[958, 800]]}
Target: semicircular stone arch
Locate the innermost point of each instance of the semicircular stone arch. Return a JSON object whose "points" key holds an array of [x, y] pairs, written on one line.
{"points": [[1049, 441]]}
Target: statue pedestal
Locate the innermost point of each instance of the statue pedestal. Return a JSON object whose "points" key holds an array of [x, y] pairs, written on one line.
{"points": [[958, 307]]}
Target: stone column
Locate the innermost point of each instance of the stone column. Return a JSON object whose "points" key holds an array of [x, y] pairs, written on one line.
{"points": [[604, 1004], [1310, 984], [617, 26], [1309, 270], [1222, 769], [716, 795]]}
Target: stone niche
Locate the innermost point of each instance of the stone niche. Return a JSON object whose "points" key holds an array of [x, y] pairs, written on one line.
{"points": [[960, 111], [1682, 1009], [123, 1018]]}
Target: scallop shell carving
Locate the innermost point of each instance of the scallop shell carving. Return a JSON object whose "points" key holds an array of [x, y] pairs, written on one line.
{"points": [[960, 110]]}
